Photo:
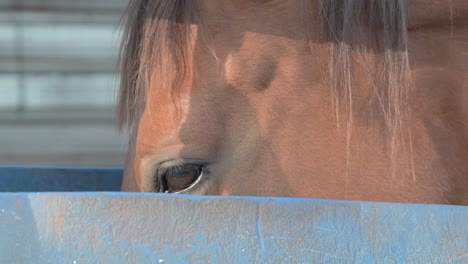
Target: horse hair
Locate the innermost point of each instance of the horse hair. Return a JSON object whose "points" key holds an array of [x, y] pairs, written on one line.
{"points": [[156, 35]]}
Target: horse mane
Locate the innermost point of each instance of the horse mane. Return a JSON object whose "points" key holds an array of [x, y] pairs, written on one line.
{"points": [[157, 33], [154, 46]]}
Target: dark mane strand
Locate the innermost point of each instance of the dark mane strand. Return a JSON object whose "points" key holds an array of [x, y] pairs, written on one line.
{"points": [[154, 44]]}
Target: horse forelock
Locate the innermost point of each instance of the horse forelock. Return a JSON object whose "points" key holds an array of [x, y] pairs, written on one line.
{"points": [[155, 49], [155, 46]]}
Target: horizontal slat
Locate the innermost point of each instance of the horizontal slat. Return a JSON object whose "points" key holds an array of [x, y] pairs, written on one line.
{"points": [[61, 139], [58, 90], [150, 228], [58, 48], [64, 5], [8, 92], [60, 18], [59, 41], [64, 141], [24, 179], [59, 116], [59, 65]]}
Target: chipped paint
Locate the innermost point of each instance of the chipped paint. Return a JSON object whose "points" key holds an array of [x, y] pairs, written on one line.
{"points": [[135, 228], [114, 227]]}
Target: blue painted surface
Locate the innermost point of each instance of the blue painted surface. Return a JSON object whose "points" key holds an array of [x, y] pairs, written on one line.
{"points": [[22, 179], [112, 227]]}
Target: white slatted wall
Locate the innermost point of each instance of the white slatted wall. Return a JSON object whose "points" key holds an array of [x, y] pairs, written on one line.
{"points": [[58, 84], [58, 53]]}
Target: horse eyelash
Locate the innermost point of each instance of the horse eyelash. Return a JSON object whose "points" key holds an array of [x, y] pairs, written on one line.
{"points": [[158, 177]]}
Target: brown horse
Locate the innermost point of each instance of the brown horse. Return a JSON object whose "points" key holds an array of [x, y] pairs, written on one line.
{"points": [[339, 99]]}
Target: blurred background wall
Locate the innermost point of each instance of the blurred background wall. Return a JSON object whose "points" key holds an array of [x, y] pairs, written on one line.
{"points": [[58, 85]]}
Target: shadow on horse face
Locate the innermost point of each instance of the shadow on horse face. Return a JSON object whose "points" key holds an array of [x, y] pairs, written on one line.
{"points": [[219, 120], [255, 112], [231, 94], [218, 116], [243, 161]]}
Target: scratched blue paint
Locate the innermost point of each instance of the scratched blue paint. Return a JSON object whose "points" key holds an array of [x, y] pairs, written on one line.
{"points": [[123, 244], [114, 227]]}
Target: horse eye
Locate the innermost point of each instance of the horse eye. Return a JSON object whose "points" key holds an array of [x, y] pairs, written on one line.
{"points": [[181, 177]]}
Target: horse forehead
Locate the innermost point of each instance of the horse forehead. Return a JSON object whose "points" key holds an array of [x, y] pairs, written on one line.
{"points": [[244, 7], [232, 19]]}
